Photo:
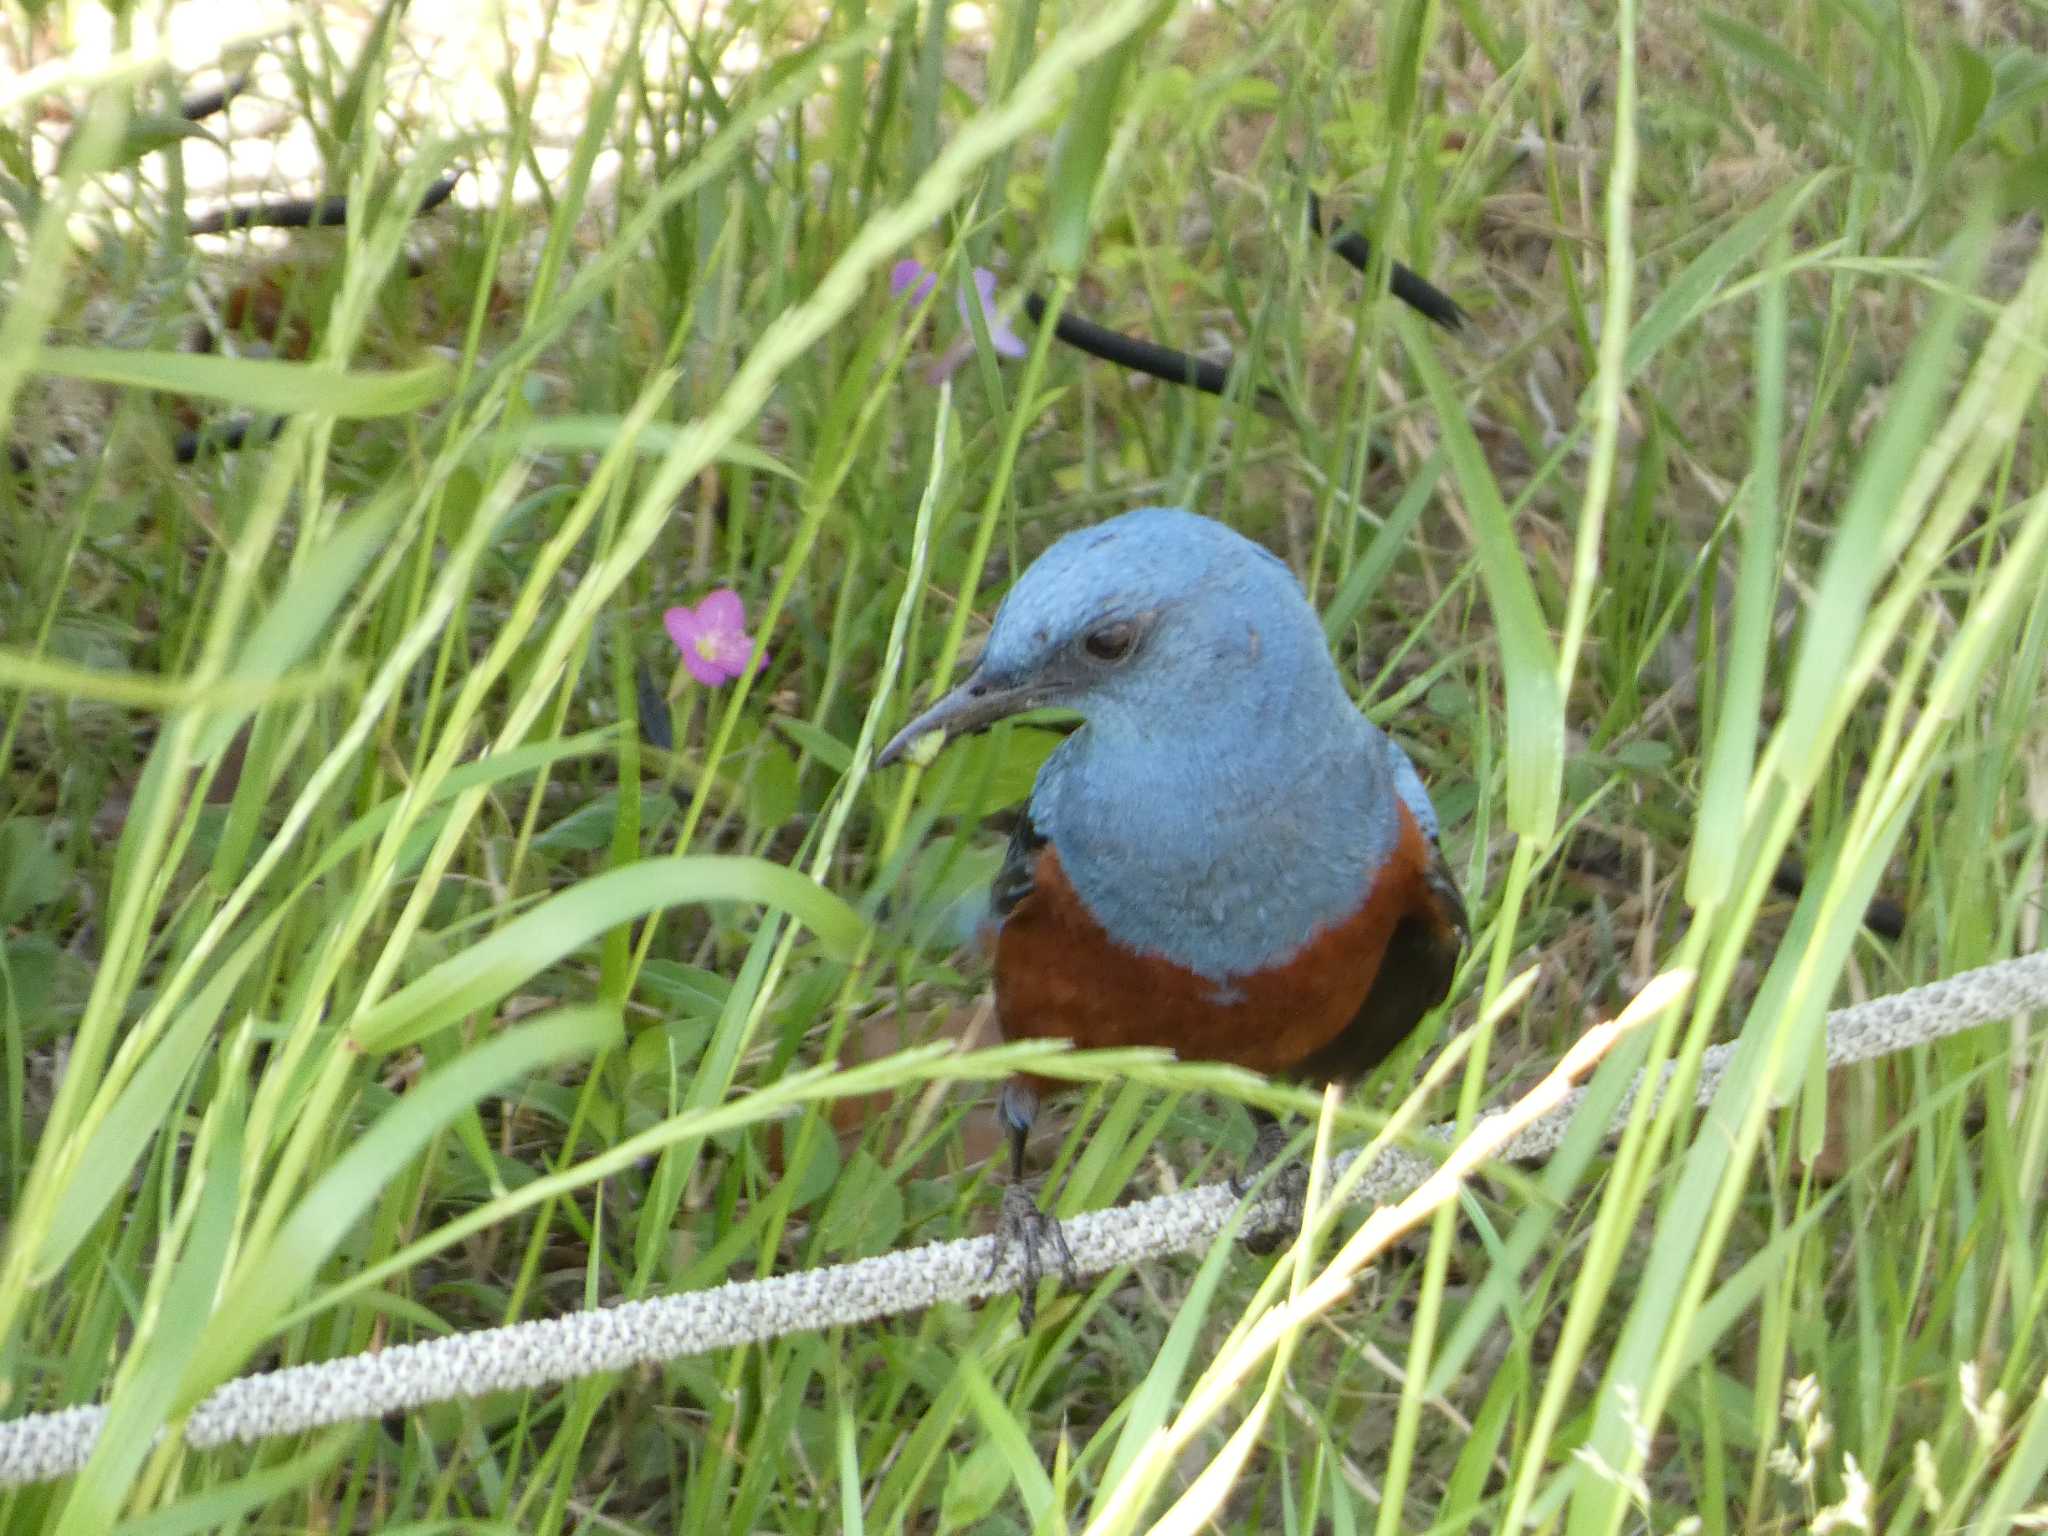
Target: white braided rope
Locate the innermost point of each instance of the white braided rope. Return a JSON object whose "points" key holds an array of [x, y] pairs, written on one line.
{"points": [[526, 1355]]}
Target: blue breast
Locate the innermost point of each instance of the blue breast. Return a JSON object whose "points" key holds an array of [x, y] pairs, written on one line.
{"points": [[1224, 841]]}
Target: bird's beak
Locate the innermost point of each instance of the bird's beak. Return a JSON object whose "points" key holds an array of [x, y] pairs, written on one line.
{"points": [[974, 706]]}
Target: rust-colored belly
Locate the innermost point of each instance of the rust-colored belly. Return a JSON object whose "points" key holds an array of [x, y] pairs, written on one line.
{"points": [[1059, 975]]}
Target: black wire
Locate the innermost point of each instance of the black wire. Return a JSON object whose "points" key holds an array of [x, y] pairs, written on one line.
{"points": [[304, 212], [1883, 917], [1406, 285], [288, 213], [224, 436], [1147, 357], [200, 107]]}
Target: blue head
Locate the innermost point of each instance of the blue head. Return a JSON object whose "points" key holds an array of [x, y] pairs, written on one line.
{"points": [[1224, 797]]}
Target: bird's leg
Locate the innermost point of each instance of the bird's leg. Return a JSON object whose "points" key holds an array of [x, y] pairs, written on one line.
{"points": [[1289, 1185], [1022, 1222]]}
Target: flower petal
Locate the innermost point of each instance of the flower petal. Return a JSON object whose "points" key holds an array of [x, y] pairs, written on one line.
{"points": [[1001, 337], [722, 612], [743, 658], [910, 273], [683, 628], [703, 668], [1006, 341]]}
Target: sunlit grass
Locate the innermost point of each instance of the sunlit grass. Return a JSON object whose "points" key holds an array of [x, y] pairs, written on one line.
{"points": [[372, 969]]}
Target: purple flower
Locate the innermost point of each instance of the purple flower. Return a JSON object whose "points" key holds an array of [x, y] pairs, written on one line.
{"points": [[910, 273], [913, 277], [713, 638], [1006, 341]]}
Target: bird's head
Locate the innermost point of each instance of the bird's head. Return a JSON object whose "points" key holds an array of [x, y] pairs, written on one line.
{"points": [[1158, 622]]}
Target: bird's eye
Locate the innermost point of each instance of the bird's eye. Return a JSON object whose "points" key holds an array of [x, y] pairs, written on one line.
{"points": [[1111, 641]]}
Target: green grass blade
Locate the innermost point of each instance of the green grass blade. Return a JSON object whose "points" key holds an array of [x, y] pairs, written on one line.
{"points": [[302, 610], [2024, 1475], [218, 1508], [1716, 851], [1007, 1433], [141, 1403], [262, 384], [266, 1283], [562, 924], [1687, 296], [1535, 744], [117, 1141]]}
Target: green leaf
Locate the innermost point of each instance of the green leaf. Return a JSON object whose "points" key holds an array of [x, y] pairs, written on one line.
{"points": [[143, 136], [487, 971], [1963, 105], [1731, 751], [1363, 579], [585, 829], [2020, 89], [2025, 1472], [28, 978], [769, 787], [820, 743], [262, 384], [994, 771], [141, 690], [671, 1048], [865, 1214], [686, 988], [1152, 1406], [817, 1175], [975, 1484], [1868, 533], [32, 873], [1736, 1298], [1650, 758]]}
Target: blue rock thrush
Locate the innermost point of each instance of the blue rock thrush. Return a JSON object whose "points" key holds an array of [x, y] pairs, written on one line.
{"points": [[1227, 859]]}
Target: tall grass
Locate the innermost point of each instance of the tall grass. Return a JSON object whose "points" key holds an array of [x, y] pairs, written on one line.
{"points": [[372, 968]]}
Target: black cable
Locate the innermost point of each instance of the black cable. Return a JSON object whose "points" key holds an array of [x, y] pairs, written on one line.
{"points": [[204, 105], [304, 212], [1883, 917], [224, 436], [1406, 285], [1147, 357]]}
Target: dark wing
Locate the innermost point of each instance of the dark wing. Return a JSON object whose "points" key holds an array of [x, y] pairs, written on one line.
{"points": [[1020, 867], [1438, 883], [1415, 974], [1444, 887]]}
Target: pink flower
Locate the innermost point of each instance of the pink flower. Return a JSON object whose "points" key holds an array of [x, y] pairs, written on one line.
{"points": [[713, 638], [913, 277]]}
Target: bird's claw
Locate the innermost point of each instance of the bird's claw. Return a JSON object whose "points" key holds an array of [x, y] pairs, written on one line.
{"points": [[1033, 1231], [1288, 1188]]}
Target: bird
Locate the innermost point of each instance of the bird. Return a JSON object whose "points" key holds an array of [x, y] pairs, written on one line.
{"points": [[1226, 858]]}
